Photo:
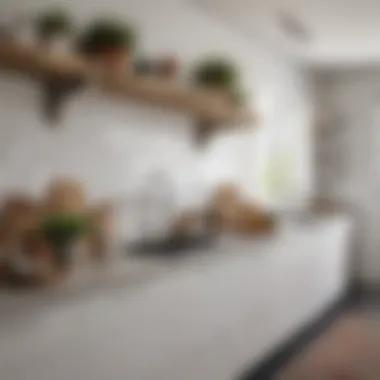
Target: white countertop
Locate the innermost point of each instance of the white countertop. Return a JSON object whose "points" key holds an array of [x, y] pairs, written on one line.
{"points": [[128, 272], [198, 317]]}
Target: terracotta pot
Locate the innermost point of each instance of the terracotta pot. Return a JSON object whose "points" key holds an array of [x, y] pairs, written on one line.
{"points": [[115, 62], [219, 94]]}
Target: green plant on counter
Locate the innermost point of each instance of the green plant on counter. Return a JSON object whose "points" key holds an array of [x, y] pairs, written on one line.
{"points": [[61, 230], [52, 23], [107, 35], [216, 72]]}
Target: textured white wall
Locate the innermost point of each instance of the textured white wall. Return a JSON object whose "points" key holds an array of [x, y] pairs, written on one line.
{"points": [[110, 146], [348, 169]]}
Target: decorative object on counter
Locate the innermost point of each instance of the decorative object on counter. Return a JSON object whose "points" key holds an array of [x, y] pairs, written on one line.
{"points": [[232, 213], [24, 254], [31, 230], [62, 230], [64, 195], [162, 231], [189, 233], [10, 276], [173, 246], [157, 205], [19, 214], [224, 204], [110, 42], [33, 260], [69, 196], [53, 26], [252, 219], [102, 222], [189, 223]]}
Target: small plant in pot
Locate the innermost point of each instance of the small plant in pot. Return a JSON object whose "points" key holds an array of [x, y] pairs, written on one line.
{"points": [[62, 231], [53, 25], [216, 73], [111, 42], [221, 76]]}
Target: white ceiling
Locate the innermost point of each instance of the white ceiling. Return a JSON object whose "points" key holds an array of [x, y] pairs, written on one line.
{"points": [[341, 31]]}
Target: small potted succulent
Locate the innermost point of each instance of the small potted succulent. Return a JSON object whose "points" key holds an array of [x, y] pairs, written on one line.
{"points": [[52, 26], [110, 42], [62, 231], [218, 75]]}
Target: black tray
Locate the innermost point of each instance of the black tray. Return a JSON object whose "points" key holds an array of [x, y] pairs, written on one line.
{"points": [[172, 246]]}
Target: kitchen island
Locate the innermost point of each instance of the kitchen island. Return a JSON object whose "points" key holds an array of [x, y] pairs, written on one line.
{"points": [[206, 315]]}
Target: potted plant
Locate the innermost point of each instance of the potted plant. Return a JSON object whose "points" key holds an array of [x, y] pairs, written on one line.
{"points": [[53, 25], [216, 73], [109, 41], [62, 230], [220, 76]]}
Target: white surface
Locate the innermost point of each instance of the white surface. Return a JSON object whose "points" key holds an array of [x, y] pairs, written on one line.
{"points": [[113, 146], [206, 317], [344, 32]]}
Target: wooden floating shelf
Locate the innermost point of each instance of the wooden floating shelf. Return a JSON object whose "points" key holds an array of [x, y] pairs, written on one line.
{"points": [[42, 64]]}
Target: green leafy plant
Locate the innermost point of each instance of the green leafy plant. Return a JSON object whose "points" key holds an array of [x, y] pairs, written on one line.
{"points": [[216, 72], [104, 35], [52, 23], [63, 229]]}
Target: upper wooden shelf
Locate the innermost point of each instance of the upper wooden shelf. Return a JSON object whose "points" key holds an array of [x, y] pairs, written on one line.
{"points": [[202, 105]]}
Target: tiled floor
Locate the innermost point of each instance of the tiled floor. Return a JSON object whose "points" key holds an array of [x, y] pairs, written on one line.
{"points": [[348, 350]]}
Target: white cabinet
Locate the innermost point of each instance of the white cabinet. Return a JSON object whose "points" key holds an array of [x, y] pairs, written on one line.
{"points": [[207, 318]]}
